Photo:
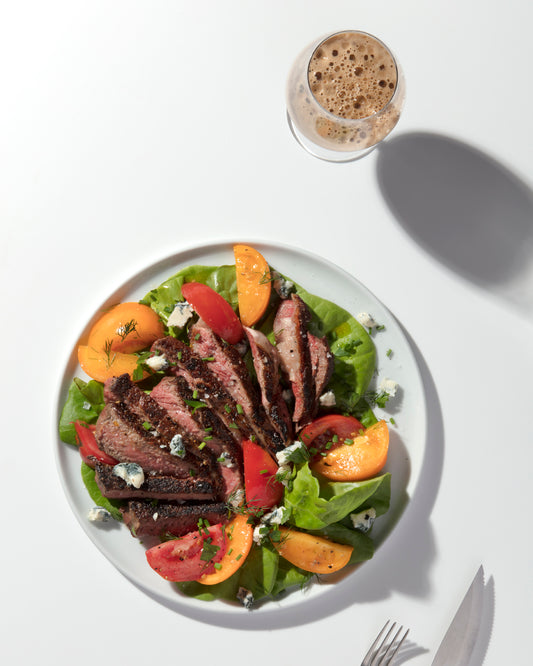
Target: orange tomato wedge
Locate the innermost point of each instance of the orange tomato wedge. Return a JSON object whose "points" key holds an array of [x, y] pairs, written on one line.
{"points": [[239, 536], [312, 553], [102, 365], [126, 328], [253, 283], [360, 460]]}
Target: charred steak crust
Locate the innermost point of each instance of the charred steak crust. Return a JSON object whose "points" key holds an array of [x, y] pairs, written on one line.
{"points": [[185, 363], [143, 518], [121, 435], [162, 427], [225, 362], [154, 487], [174, 394]]}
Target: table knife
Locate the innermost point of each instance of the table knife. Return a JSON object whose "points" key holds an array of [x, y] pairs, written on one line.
{"points": [[459, 641]]}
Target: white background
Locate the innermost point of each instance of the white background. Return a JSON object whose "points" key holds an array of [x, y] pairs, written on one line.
{"points": [[131, 129]]}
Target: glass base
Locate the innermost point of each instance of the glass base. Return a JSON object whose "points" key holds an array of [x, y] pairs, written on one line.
{"points": [[324, 153]]}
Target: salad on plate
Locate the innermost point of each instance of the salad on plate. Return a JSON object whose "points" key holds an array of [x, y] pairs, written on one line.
{"points": [[226, 419]]}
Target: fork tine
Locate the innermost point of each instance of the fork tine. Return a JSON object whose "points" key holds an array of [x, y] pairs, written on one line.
{"points": [[373, 650], [398, 645], [384, 652]]}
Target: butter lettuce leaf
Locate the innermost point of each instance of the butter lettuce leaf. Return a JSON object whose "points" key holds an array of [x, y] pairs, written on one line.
{"points": [[84, 402], [88, 477], [314, 506], [222, 279]]}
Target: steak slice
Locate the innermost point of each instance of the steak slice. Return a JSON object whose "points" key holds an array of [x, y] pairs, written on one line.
{"points": [[174, 395], [159, 424], [208, 389], [120, 434], [267, 364], [143, 518], [322, 363], [225, 362], [290, 330], [154, 487]]}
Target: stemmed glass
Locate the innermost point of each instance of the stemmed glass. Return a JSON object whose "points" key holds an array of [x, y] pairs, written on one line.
{"points": [[345, 93]]}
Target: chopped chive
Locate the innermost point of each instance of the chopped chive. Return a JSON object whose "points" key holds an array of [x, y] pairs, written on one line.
{"points": [[234, 426], [335, 438], [263, 471], [348, 441], [240, 410], [208, 358], [197, 336], [217, 565], [227, 408], [195, 394], [180, 354], [147, 425], [392, 421], [238, 557], [202, 445], [389, 353]]}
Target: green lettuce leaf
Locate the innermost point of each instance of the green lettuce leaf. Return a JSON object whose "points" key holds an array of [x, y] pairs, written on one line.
{"points": [[113, 506], [222, 279], [313, 506], [84, 402]]}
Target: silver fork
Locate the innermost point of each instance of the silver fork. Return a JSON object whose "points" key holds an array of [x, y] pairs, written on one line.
{"points": [[384, 652]]}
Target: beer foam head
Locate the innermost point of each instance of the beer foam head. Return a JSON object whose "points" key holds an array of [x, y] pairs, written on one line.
{"points": [[352, 75]]}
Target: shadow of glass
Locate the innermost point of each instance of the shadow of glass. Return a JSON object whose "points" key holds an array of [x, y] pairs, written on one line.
{"points": [[464, 208]]}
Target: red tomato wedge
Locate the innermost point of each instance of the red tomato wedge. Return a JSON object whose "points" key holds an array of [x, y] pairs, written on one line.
{"points": [[89, 449], [214, 310], [180, 560], [335, 426], [262, 489]]}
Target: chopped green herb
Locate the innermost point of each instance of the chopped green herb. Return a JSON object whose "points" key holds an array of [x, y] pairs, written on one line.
{"points": [[147, 425]]}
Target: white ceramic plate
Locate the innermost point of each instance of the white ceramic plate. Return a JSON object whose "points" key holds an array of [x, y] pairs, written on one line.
{"points": [[408, 435]]}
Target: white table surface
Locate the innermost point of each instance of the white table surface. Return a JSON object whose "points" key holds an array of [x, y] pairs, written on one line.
{"points": [[131, 129]]}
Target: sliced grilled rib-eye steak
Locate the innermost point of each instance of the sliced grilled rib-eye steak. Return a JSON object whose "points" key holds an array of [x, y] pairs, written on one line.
{"points": [[290, 330], [209, 390], [322, 363], [267, 363], [120, 434], [154, 487], [225, 362], [174, 395], [160, 424], [143, 518]]}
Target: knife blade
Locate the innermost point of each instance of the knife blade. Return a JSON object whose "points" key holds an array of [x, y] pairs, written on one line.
{"points": [[459, 641]]}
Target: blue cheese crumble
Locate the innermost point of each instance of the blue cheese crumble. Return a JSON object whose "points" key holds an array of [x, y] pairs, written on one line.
{"points": [[177, 447], [98, 515], [364, 520], [131, 473], [180, 315], [157, 363]]}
